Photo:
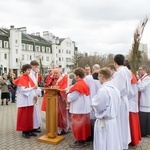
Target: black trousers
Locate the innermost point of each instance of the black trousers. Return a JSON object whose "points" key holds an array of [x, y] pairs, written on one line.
{"points": [[92, 121], [145, 123]]}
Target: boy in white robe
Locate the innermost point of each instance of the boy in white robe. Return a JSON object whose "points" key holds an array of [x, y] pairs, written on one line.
{"points": [[122, 80], [25, 102], [37, 120], [106, 104], [78, 97], [94, 85]]}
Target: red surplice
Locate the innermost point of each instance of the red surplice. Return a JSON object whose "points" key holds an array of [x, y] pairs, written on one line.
{"points": [[25, 114], [134, 121]]}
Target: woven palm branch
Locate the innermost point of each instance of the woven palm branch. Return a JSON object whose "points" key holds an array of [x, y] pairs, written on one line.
{"points": [[136, 54]]}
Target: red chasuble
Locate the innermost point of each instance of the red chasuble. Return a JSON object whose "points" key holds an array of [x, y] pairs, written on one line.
{"points": [[81, 122], [134, 121], [51, 81], [62, 82], [25, 114]]}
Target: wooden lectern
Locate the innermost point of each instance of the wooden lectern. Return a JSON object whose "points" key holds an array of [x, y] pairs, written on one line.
{"points": [[51, 118]]}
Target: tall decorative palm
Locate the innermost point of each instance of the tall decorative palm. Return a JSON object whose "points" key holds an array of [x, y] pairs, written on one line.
{"points": [[136, 54], [41, 66]]}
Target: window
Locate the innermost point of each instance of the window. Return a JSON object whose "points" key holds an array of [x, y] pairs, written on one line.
{"points": [[16, 51], [43, 49], [30, 57], [5, 56], [5, 70], [5, 44], [16, 41], [22, 57], [37, 49], [59, 51], [23, 46], [48, 50], [27, 46], [31, 47], [59, 59], [67, 51], [16, 60], [1, 43]]}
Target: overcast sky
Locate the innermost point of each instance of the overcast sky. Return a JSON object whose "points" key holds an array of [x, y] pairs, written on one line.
{"points": [[104, 26]]}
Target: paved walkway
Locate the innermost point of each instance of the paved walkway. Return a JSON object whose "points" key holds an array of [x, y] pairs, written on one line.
{"points": [[10, 139]]}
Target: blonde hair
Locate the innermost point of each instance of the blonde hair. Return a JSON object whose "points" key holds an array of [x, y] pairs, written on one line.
{"points": [[106, 72]]}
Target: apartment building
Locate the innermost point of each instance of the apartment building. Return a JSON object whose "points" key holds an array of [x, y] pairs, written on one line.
{"points": [[18, 48]]}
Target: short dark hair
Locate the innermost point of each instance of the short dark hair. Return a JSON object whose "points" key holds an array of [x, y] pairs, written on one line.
{"points": [[34, 63], [119, 59], [106, 72], [25, 67], [127, 64], [79, 72]]}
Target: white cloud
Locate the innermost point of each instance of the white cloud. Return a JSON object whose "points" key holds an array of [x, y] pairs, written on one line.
{"points": [[95, 25]]}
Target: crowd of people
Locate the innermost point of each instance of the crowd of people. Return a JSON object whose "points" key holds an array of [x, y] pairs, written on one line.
{"points": [[108, 106], [8, 89]]}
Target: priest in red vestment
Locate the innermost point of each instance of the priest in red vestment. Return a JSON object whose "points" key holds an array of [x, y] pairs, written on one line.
{"points": [[25, 102], [79, 100], [61, 81]]}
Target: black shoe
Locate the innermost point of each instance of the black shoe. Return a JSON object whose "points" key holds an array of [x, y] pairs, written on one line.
{"points": [[36, 130], [89, 139], [13, 102], [6, 103], [25, 135], [2, 104], [32, 134], [62, 133]]}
